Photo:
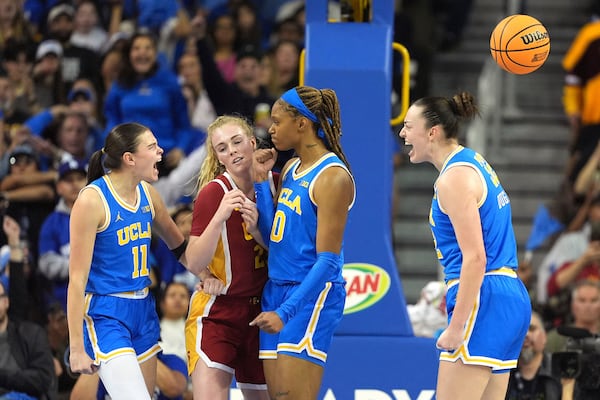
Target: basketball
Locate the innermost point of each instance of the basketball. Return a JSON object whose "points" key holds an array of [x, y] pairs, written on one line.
{"points": [[520, 44]]}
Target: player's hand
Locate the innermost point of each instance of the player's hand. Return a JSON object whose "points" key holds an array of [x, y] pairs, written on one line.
{"points": [[213, 286], [451, 339], [250, 216], [232, 200], [268, 321], [80, 362], [263, 162]]}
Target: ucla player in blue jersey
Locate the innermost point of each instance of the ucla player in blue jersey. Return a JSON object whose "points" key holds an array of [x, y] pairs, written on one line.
{"points": [[113, 325], [488, 307], [303, 300]]}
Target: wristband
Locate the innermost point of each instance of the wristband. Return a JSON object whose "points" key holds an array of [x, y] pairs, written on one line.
{"points": [[179, 250]]}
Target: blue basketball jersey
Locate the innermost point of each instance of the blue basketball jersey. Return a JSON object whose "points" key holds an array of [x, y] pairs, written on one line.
{"points": [[120, 257], [292, 246], [495, 213]]}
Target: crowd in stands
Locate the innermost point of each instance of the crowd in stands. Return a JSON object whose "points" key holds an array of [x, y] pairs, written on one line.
{"points": [[72, 70]]}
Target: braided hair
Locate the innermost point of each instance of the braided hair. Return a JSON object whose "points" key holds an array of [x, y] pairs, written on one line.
{"points": [[323, 103]]}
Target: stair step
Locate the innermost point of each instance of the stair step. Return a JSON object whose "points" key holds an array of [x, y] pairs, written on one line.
{"points": [[412, 205], [417, 260], [524, 206], [411, 240], [522, 156], [528, 180], [541, 117], [413, 209], [416, 177], [462, 62], [412, 231], [537, 134], [412, 286]]}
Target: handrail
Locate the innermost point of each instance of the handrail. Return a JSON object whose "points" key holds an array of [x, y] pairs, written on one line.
{"points": [[404, 97], [301, 67]]}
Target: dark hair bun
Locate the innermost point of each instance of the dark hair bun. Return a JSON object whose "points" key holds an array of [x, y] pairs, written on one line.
{"points": [[465, 105]]}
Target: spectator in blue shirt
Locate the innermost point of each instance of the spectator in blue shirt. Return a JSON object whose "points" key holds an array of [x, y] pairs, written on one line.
{"points": [[150, 94]]}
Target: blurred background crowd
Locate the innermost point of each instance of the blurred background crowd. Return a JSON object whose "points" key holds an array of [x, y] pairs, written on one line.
{"points": [[72, 70]]}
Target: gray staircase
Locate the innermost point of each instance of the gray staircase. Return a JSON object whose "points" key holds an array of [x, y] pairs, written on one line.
{"points": [[530, 152]]}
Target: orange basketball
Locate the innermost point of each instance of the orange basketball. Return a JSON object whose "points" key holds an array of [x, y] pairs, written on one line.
{"points": [[520, 44]]}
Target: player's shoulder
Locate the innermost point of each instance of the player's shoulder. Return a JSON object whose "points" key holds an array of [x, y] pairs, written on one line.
{"points": [[215, 188], [336, 173], [90, 195], [222, 183], [460, 177]]}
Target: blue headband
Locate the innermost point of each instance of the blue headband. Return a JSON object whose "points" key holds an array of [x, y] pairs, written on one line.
{"points": [[291, 97]]}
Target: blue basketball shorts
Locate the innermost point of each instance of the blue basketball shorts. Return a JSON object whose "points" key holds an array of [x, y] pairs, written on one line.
{"points": [[497, 325], [114, 326], [309, 333]]}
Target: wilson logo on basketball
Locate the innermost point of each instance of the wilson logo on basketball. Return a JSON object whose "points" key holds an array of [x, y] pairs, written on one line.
{"points": [[366, 284], [534, 37]]}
